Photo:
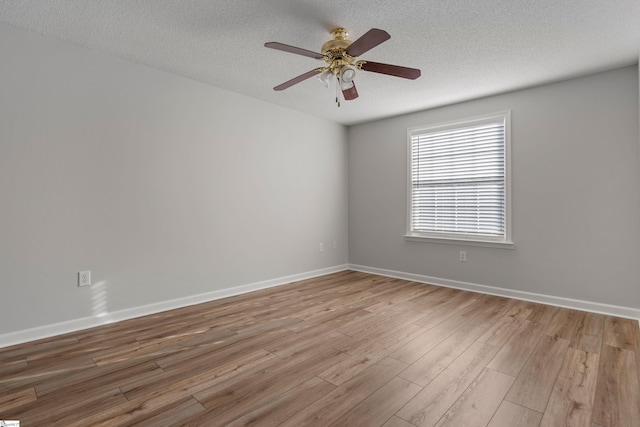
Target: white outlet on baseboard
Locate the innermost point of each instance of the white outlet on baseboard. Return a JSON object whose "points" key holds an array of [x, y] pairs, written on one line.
{"points": [[463, 256], [84, 278]]}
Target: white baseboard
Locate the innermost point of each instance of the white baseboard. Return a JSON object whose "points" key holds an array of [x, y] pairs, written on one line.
{"points": [[47, 331], [613, 310]]}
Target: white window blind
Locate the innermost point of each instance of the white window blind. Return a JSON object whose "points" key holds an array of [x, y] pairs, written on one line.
{"points": [[459, 180]]}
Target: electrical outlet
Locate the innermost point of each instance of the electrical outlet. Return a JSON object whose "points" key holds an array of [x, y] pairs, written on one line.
{"points": [[321, 247], [84, 278], [463, 256], [334, 246]]}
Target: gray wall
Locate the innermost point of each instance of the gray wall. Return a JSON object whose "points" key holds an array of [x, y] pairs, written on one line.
{"points": [[161, 186], [166, 188], [576, 193]]}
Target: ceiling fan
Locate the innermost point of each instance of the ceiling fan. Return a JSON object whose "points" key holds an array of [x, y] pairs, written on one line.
{"points": [[341, 56]]}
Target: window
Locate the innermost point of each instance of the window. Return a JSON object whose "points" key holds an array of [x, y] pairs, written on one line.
{"points": [[459, 181]]}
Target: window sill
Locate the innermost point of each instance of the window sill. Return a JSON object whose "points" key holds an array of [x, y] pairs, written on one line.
{"points": [[460, 241]]}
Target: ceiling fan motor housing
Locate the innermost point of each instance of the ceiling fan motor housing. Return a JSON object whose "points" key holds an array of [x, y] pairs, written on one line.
{"points": [[334, 50]]}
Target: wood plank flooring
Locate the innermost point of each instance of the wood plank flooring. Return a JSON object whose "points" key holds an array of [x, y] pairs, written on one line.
{"points": [[347, 349]]}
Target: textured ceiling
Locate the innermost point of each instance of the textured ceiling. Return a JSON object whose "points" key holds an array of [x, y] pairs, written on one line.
{"points": [[465, 48]]}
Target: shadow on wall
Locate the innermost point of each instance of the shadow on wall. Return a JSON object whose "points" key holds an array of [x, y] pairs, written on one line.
{"points": [[100, 302]]}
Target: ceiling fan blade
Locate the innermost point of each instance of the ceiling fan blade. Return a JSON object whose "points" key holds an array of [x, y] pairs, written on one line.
{"points": [[368, 41], [296, 80], [293, 49], [391, 70], [351, 93]]}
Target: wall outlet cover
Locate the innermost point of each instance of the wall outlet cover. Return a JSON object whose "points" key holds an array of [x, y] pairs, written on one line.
{"points": [[84, 278]]}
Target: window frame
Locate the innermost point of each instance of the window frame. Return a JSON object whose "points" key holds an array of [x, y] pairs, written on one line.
{"points": [[505, 241]]}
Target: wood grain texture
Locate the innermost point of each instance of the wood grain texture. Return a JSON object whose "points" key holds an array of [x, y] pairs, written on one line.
{"points": [[343, 371], [380, 405], [589, 336], [172, 415], [348, 348], [17, 398], [636, 334], [422, 344], [397, 422], [479, 402], [283, 407], [515, 353], [334, 405], [229, 400], [617, 400], [619, 333], [437, 397], [571, 401], [512, 415], [429, 366], [533, 385], [504, 328]]}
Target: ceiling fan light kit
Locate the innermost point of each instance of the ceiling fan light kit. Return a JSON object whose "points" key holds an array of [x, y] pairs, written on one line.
{"points": [[325, 78], [347, 74], [341, 57]]}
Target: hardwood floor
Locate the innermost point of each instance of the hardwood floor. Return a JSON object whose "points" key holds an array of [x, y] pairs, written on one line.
{"points": [[348, 349]]}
